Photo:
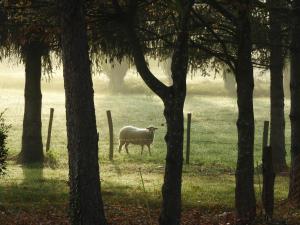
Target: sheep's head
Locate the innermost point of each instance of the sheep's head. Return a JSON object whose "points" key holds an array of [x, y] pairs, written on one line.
{"points": [[151, 129]]}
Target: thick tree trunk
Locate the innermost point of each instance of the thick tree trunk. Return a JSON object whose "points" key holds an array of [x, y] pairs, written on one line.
{"points": [[294, 191], [171, 190], [277, 135], [244, 194], [86, 206], [32, 146]]}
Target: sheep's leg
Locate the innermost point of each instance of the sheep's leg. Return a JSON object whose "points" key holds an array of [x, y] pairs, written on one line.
{"points": [[142, 149], [149, 149], [126, 147], [121, 145]]}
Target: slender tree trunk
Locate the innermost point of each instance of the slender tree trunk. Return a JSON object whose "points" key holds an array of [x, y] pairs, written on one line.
{"points": [[173, 112], [244, 194], [86, 206], [32, 146], [294, 191], [173, 98], [171, 190], [277, 135]]}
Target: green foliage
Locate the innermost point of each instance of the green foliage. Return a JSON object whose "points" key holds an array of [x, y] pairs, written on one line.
{"points": [[3, 148]]}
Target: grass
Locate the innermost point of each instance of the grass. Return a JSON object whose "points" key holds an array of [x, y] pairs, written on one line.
{"points": [[207, 182]]}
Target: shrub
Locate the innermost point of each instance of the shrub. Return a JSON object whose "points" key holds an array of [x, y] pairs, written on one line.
{"points": [[3, 148]]}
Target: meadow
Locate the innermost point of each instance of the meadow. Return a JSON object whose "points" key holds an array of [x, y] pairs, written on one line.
{"points": [[135, 180]]}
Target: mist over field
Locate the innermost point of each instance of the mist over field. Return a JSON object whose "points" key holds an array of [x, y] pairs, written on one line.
{"points": [[12, 77]]}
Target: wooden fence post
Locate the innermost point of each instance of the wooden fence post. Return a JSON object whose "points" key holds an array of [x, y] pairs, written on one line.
{"points": [[111, 135], [268, 175], [49, 129], [188, 138]]}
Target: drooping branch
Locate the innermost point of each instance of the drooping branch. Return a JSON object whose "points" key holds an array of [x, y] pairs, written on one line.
{"points": [[226, 13], [141, 65], [229, 59]]}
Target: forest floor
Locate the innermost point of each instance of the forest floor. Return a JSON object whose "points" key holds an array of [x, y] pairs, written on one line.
{"points": [[120, 214], [39, 196]]}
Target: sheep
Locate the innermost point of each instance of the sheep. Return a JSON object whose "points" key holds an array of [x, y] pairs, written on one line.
{"points": [[137, 136]]}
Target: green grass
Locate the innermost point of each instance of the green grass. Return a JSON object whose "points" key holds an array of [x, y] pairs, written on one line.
{"points": [[207, 182]]}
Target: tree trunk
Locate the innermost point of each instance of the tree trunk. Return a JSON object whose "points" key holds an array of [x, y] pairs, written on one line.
{"points": [[229, 80], [86, 206], [277, 134], [294, 191], [171, 190], [32, 145], [116, 75], [173, 112], [244, 194], [173, 98]]}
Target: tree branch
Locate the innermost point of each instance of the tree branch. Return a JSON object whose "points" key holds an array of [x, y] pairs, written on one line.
{"points": [[151, 81], [227, 14]]}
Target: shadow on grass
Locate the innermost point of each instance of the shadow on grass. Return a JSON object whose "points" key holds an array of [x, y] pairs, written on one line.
{"points": [[34, 190], [32, 173]]}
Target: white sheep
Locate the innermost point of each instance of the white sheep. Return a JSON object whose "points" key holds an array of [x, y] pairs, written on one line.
{"points": [[137, 136]]}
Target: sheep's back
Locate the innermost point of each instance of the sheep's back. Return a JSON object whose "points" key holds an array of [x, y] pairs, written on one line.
{"points": [[135, 135]]}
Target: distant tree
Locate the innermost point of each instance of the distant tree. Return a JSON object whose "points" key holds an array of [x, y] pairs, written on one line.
{"points": [[294, 189], [31, 36], [229, 80], [116, 72], [3, 147], [166, 67], [86, 206], [32, 144]]}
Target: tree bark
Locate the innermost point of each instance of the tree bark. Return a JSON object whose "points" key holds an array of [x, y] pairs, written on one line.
{"points": [[244, 194], [173, 98], [277, 134], [171, 190], [174, 102], [32, 145], [86, 206], [294, 190]]}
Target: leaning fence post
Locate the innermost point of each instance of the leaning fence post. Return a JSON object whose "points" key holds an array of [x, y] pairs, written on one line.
{"points": [[111, 135], [268, 175], [49, 129], [188, 137]]}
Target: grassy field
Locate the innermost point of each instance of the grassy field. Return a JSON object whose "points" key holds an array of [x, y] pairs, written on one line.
{"points": [[208, 182]]}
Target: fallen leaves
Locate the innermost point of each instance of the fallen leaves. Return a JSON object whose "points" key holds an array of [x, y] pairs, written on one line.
{"points": [[118, 214]]}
